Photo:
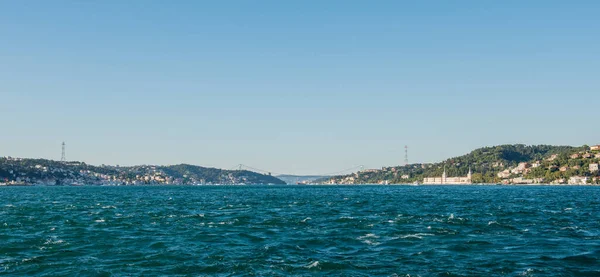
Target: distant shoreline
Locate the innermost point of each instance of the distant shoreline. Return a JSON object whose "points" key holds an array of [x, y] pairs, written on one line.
{"points": [[316, 185]]}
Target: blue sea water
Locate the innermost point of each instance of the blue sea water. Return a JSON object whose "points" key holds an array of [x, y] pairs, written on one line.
{"points": [[300, 231]]}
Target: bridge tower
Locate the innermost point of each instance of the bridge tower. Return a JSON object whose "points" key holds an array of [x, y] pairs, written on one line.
{"points": [[63, 158]]}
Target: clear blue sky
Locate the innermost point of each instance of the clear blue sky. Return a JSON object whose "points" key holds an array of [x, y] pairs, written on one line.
{"points": [[294, 86]]}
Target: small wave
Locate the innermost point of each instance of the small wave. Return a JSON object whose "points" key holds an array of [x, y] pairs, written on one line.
{"points": [[306, 219], [369, 239], [369, 236], [570, 228], [492, 222], [415, 236], [587, 258], [99, 220], [52, 241], [25, 260], [109, 207], [312, 265], [527, 272]]}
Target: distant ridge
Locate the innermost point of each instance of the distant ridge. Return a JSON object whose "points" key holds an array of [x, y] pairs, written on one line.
{"points": [[48, 172], [508, 164]]}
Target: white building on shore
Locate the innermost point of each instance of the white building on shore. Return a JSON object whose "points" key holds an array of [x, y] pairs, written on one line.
{"points": [[444, 180]]}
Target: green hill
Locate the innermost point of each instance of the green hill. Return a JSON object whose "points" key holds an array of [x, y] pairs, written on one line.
{"points": [[485, 164], [48, 172]]}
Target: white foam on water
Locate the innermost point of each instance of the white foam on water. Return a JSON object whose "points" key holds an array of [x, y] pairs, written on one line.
{"points": [[369, 236], [492, 222], [570, 228], [370, 242], [99, 220], [369, 239], [109, 207], [306, 219], [415, 236], [313, 264], [53, 240], [527, 272], [451, 216]]}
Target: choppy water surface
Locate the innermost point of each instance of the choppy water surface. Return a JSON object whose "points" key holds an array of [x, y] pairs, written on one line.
{"points": [[294, 230]]}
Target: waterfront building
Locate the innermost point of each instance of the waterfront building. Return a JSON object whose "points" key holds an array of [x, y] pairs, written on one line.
{"points": [[595, 147], [593, 167], [504, 174], [578, 180], [443, 180]]}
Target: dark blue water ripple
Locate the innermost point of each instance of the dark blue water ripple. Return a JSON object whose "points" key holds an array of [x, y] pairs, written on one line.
{"points": [[302, 231]]}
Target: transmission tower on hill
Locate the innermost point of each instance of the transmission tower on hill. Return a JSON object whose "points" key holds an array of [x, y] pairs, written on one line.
{"points": [[405, 154], [63, 158]]}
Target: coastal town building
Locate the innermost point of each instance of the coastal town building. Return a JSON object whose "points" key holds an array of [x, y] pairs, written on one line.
{"points": [[449, 180], [595, 147], [593, 167], [504, 174], [524, 181], [578, 180]]}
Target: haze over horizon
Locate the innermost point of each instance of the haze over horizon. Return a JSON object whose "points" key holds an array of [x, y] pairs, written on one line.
{"points": [[307, 87]]}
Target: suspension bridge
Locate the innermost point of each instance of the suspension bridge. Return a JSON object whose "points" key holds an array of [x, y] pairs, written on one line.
{"points": [[357, 168]]}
